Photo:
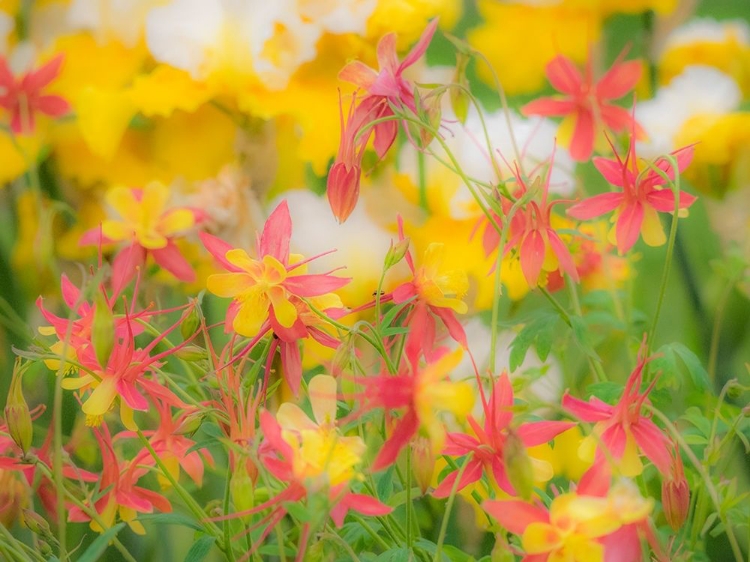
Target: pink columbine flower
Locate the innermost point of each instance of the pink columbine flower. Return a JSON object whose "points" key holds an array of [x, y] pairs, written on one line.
{"points": [[384, 88], [487, 444], [623, 429], [585, 103], [536, 243], [643, 195], [23, 97]]}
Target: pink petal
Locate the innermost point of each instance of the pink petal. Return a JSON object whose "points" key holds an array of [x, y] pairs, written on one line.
{"points": [[291, 361], [386, 51], [532, 256], [131, 396], [404, 292], [54, 106], [592, 411], [596, 206], [458, 444], [613, 171], [70, 292], [548, 107], [218, 249], [582, 142], [367, 505], [563, 254], [170, 258], [619, 80], [37, 79], [420, 47], [385, 135], [358, 73], [663, 200], [6, 76], [615, 440], [629, 226], [596, 480], [471, 474], [616, 118], [515, 515], [342, 189], [623, 545], [125, 266], [404, 431], [274, 240], [683, 156], [536, 433], [564, 75], [455, 328], [501, 402], [314, 285], [652, 443]]}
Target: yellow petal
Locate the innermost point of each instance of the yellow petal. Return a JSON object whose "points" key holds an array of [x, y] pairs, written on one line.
{"points": [[166, 89], [117, 231], [101, 399], [283, 309], [292, 418], [239, 257], [176, 221], [252, 313], [229, 285], [322, 392], [630, 465], [126, 416], [540, 537], [103, 116], [652, 229], [122, 200]]}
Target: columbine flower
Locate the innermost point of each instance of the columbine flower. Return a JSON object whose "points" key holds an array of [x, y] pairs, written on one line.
{"points": [[385, 88], [585, 103], [23, 96], [622, 429], [538, 246], [643, 195], [262, 289], [147, 227], [422, 392], [435, 292], [487, 445]]}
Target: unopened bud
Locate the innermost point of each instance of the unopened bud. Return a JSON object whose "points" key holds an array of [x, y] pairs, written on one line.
{"points": [[191, 353], [342, 189], [734, 389], [423, 462], [458, 93], [102, 330], [675, 500], [190, 324], [518, 465], [189, 424], [36, 523], [17, 414], [396, 253], [242, 487]]}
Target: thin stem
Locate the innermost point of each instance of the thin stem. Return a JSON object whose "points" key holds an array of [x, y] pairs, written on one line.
{"points": [[370, 531], [705, 477], [422, 181], [409, 507], [716, 332], [447, 514], [345, 545], [229, 551]]}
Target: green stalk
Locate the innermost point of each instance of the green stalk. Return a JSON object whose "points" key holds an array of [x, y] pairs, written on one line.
{"points": [[448, 508]]}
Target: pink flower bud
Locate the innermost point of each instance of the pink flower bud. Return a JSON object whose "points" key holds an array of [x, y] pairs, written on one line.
{"points": [[675, 494], [423, 462], [17, 414], [343, 189]]}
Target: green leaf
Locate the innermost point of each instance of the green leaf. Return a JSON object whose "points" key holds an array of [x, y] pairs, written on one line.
{"points": [[695, 368], [100, 544], [385, 484], [298, 511], [609, 392], [539, 330], [170, 519], [200, 549]]}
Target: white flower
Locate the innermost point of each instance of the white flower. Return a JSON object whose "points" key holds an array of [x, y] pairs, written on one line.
{"points": [[122, 19], [338, 16], [710, 31], [699, 90], [6, 27], [267, 38]]}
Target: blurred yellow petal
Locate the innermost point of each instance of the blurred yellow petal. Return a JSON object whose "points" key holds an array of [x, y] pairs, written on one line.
{"points": [[652, 229], [229, 285], [103, 116], [101, 399], [176, 221], [292, 418], [322, 392], [166, 89], [540, 537]]}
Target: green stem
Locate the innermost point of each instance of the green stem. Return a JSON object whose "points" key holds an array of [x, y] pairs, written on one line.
{"points": [[409, 507], [708, 484], [370, 531], [422, 181], [716, 332], [447, 514], [229, 551]]}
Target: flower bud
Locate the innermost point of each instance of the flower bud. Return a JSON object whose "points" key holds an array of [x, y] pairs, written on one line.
{"points": [[518, 465], [242, 487], [422, 462], [734, 389], [102, 330], [191, 353], [342, 188], [458, 94], [396, 253], [17, 414], [189, 424], [36, 523], [190, 323], [675, 494], [13, 497]]}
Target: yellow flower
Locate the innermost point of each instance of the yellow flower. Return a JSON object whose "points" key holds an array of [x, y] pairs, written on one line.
{"points": [[559, 29], [320, 450], [145, 218], [438, 286]]}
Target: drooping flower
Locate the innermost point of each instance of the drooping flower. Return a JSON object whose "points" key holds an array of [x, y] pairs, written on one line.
{"points": [[118, 493], [23, 96], [146, 226], [385, 89], [585, 103], [536, 243], [420, 393], [487, 445], [624, 430], [643, 195]]}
